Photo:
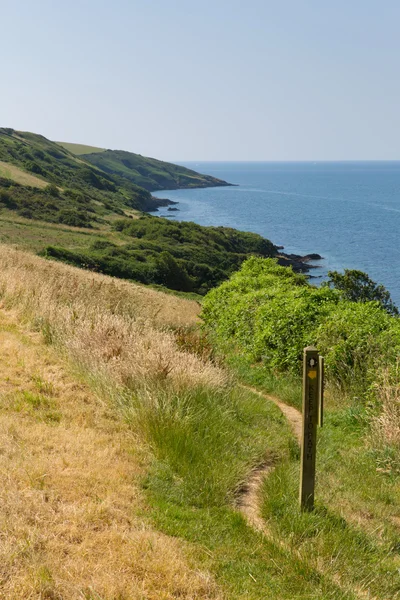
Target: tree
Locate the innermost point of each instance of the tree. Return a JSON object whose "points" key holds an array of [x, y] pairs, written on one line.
{"points": [[171, 274], [53, 190], [357, 286]]}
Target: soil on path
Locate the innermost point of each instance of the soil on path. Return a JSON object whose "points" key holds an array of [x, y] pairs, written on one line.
{"points": [[249, 501]]}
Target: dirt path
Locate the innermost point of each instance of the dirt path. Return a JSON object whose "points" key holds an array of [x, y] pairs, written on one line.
{"points": [[70, 501], [249, 501]]}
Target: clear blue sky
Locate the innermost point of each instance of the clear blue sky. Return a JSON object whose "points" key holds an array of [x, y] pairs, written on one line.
{"points": [[206, 79]]}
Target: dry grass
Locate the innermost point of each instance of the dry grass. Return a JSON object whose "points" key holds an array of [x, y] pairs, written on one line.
{"points": [[111, 328], [69, 503], [10, 171], [386, 426], [39, 283]]}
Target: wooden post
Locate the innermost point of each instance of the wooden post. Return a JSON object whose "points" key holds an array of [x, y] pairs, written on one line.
{"points": [[321, 391], [311, 389]]}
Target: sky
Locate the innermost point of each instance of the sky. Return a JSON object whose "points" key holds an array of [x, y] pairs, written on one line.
{"points": [[206, 79]]}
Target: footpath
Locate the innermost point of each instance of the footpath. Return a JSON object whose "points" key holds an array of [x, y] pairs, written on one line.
{"points": [[250, 499]]}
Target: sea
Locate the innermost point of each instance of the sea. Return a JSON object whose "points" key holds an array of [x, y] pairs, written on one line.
{"points": [[348, 212]]}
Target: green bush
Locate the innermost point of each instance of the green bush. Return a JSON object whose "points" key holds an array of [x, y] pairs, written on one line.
{"points": [[357, 340], [358, 287], [53, 190], [269, 314]]}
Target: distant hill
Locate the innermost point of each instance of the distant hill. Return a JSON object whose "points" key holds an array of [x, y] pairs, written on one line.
{"points": [[80, 149], [88, 212], [149, 173], [47, 162]]}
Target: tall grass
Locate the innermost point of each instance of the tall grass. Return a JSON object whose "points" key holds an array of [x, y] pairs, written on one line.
{"points": [[206, 441], [205, 437], [385, 422], [330, 543], [112, 328]]}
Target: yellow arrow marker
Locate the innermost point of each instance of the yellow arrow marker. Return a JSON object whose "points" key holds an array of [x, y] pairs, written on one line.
{"points": [[312, 374]]}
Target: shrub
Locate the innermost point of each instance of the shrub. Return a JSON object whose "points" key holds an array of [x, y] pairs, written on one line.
{"points": [[172, 274], [35, 168], [356, 340], [53, 190], [358, 287], [268, 313]]}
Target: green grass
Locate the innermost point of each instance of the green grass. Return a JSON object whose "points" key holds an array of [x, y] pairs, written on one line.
{"points": [[285, 386], [37, 404], [245, 564], [204, 444], [16, 174], [351, 535], [149, 173], [79, 149], [34, 235]]}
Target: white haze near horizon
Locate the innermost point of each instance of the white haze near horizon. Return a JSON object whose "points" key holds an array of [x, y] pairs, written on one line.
{"points": [[209, 80]]}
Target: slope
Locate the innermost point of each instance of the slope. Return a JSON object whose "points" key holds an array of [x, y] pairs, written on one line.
{"points": [[43, 183], [79, 149], [123, 465], [49, 162], [72, 509], [150, 173]]}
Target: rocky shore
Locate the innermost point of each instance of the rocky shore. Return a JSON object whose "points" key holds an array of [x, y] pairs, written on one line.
{"points": [[300, 264]]}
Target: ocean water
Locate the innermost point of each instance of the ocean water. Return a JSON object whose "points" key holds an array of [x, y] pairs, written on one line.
{"points": [[349, 212]]}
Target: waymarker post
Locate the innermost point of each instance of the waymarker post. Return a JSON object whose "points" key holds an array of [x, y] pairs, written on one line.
{"points": [[313, 370]]}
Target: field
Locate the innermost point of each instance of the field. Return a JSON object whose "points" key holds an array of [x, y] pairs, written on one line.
{"points": [[10, 171], [72, 506], [33, 235], [79, 149], [142, 454], [125, 433]]}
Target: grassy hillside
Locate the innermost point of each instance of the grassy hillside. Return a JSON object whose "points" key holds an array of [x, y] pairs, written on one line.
{"points": [[150, 173], [95, 218], [49, 162], [146, 446], [128, 443], [43, 183], [9, 171], [179, 255], [79, 149]]}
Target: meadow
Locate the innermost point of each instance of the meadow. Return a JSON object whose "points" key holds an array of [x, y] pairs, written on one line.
{"points": [[196, 438], [136, 418]]}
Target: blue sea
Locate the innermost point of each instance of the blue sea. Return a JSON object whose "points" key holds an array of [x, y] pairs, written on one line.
{"points": [[349, 212]]}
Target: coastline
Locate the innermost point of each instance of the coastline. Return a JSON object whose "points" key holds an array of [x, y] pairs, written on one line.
{"points": [[299, 263]]}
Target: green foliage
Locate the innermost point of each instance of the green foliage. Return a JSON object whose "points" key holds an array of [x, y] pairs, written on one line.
{"points": [[149, 173], [268, 313], [205, 441], [53, 190], [171, 274], [357, 340], [35, 168], [36, 154], [327, 540], [45, 205], [359, 287], [180, 256]]}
